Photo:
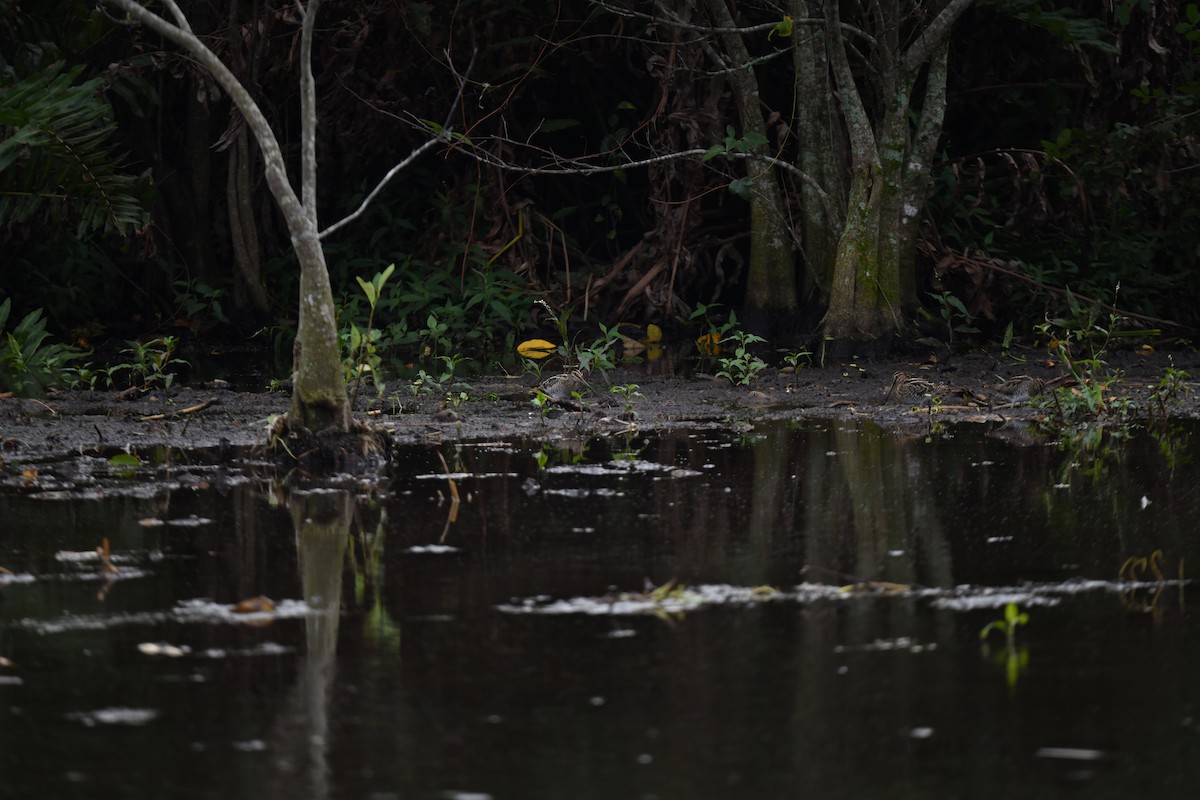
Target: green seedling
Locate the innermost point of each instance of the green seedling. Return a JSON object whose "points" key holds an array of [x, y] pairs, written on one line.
{"points": [[148, 362], [743, 366], [364, 346], [627, 392], [1013, 619]]}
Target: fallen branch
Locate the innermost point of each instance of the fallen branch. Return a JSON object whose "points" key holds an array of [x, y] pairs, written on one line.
{"points": [[182, 411]]}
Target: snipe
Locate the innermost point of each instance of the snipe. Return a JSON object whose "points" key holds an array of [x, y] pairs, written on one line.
{"points": [[564, 387], [907, 386], [1020, 388]]}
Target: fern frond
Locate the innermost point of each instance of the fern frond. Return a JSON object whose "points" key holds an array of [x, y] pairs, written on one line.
{"points": [[57, 158]]}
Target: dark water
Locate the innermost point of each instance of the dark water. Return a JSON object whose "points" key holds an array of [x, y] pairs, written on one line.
{"points": [[394, 671]]}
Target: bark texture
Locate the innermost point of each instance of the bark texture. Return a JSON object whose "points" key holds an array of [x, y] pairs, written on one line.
{"points": [[319, 399]]}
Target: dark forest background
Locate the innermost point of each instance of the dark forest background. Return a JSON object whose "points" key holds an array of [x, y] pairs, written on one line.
{"points": [[1069, 161]]}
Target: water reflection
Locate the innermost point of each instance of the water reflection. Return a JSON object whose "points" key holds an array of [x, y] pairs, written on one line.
{"points": [[321, 519], [852, 695]]}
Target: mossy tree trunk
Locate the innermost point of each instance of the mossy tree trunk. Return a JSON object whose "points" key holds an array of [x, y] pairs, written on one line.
{"points": [[319, 400], [874, 286]]}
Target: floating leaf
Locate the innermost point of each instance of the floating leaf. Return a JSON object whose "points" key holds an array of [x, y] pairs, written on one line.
{"points": [[535, 348], [125, 460], [653, 333], [254, 605]]}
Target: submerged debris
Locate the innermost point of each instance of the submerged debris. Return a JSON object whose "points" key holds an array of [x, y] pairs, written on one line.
{"points": [[677, 599]]}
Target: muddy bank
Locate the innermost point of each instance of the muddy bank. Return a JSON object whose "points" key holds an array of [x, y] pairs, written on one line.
{"points": [[209, 416]]}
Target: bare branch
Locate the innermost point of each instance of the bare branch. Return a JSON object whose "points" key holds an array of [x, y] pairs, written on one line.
{"points": [[934, 34], [675, 22], [573, 166], [444, 135], [358, 212], [308, 115], [177, 13]]}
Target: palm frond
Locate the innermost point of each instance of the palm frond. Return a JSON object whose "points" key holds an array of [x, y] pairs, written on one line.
{"points": [[57, 156]]}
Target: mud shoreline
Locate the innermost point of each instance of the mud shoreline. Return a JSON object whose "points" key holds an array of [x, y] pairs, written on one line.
{"points": [[207, 416]]}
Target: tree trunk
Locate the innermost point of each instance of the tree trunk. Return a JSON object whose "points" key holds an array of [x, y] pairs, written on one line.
{"points": [[247, 259], [874, 282], [771, 275], [822, 155], [319, 400]]}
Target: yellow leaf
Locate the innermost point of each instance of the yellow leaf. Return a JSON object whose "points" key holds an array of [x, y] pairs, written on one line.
{"points": [[1145, 350], [653, 333], [710, 344], [535, 348]]}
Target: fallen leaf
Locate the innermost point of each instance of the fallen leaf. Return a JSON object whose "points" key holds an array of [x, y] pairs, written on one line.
{"points": [[535, 348], [254, 605]]}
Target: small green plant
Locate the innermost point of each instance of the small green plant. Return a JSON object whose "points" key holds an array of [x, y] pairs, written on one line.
{"points": [[148, 362], [627, 392], [364, 355], [1014, 618], [596, 356], [792, 363], [1172, 388], [200, 302], [954, 315], [743, 366], [28, 363], [436, 382], [1080, 341], [793, 359], [542, 402]]}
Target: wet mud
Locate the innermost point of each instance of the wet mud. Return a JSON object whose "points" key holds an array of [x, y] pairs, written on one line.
{"points": [[209, 416]]}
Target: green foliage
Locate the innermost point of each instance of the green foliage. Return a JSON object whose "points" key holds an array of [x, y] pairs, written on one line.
{"points": [[364, 357], [200, 302], [148, 363], [1080, 340], [1089, 398], [57, 158], [718, 338], [1065, 24], [1172, 388], [1013, 619], [953, 313], [427, 312], [1089, 188], [28, 363], [627, 391], [145, 367], [734, 144], [598, 355], [743, 366]]}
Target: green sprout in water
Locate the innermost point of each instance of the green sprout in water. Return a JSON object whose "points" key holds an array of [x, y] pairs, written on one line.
{"points": [[1013, 659], [1014, 618]]}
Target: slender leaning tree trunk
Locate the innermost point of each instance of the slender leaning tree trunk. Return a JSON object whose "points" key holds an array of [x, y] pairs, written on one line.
{"points": [[319, 400]]}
